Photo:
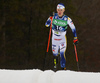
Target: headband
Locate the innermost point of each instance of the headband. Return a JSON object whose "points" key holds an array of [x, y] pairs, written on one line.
{"points": [[60, 6]]}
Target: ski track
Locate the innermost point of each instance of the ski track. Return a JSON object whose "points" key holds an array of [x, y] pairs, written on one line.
{"points": [[48, 76]]}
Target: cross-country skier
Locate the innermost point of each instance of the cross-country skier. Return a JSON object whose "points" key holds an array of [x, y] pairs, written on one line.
{"points": [[59, 28]]}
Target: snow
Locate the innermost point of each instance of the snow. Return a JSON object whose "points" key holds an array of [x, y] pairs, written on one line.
{"points": [[48, 76]]}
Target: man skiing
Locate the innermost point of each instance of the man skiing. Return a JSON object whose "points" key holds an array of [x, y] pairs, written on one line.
{"points": [[59, 28]]}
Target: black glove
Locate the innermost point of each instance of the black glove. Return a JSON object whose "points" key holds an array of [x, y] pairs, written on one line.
{"points": [[52, 14], [75, 41]]}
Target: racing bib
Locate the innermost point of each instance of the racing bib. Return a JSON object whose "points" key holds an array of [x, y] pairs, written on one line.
{"points": [[59, 25]]}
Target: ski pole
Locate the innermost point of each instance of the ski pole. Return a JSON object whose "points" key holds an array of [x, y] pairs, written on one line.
{"points": [[48, 43], [76, 57], [49, 34]]}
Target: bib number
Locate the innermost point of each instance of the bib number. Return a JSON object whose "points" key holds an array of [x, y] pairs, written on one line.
{"points": [[59, 28]]}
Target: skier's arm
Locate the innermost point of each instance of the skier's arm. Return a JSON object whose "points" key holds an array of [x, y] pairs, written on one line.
{"points": [[48, 22], [72, 26]]}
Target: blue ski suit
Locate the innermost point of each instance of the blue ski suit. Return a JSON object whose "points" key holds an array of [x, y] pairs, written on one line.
{"points": [[59, 40]]}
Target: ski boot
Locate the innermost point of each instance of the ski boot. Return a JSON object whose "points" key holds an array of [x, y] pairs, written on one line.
{"points": [[55, 63], [63, 68]]}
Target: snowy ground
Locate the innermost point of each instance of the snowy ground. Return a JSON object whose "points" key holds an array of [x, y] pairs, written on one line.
{"points": [[48, 76]]}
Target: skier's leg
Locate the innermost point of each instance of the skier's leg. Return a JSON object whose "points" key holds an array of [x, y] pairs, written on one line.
{"points": [[63, 46], [55, 49], [55, 46]]}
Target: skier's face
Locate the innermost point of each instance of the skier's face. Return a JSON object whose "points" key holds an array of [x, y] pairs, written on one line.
{"points": [[60, 12]]}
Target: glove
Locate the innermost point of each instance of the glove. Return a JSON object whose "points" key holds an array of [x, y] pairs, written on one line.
{"points": [[52, 14], [75, 41]]}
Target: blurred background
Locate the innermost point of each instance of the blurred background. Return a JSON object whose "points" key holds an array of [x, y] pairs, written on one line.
{"points": [[23, 35]]}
